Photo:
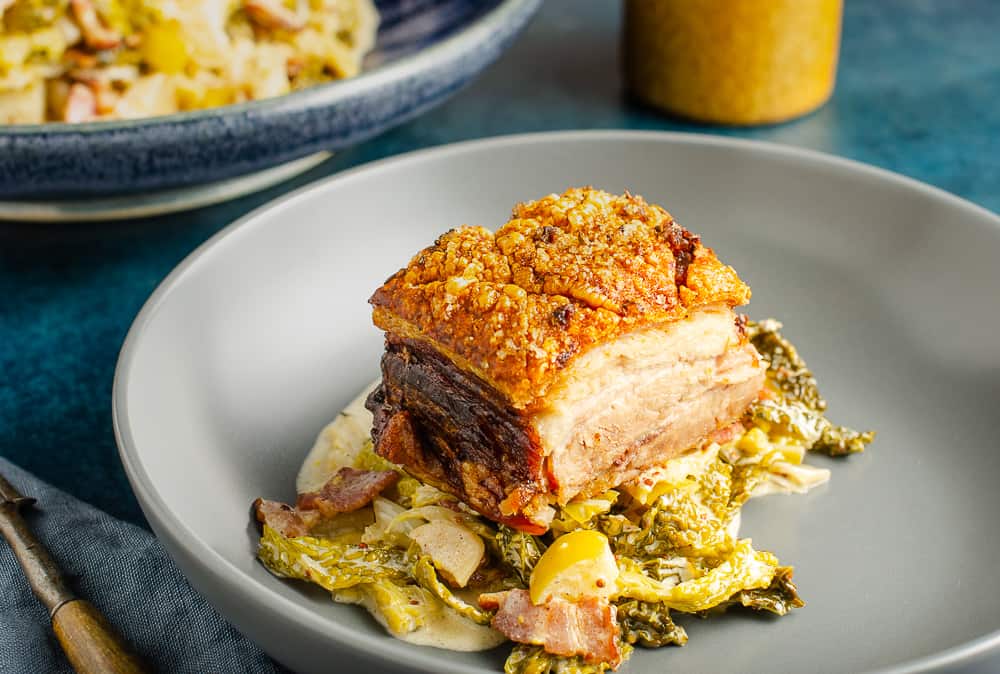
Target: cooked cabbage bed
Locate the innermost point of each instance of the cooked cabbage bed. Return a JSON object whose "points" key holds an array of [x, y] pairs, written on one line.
{"points": [[673, 535]]}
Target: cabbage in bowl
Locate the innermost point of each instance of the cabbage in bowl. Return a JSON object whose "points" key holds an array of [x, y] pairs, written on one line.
{"points": [[85, 60]]}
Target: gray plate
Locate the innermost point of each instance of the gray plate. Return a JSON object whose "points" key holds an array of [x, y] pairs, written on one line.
{"points": [[889, 288]]}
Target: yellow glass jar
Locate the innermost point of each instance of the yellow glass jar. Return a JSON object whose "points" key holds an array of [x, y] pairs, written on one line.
{"points": [[736, 62]]}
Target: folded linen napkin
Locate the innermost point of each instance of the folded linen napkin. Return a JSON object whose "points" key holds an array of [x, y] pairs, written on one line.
{"points": [[124, 571]]}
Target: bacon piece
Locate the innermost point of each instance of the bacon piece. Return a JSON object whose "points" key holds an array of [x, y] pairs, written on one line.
{"points": [[274, 15], [285, 519], [106, 98], [81, 104], [77, 58], [727, 433], [347, 491], [95, 33], [587, 628], [295, 65]]}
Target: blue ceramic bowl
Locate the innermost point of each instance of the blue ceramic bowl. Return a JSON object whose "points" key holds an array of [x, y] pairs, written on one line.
{"points": [[426, 50]]}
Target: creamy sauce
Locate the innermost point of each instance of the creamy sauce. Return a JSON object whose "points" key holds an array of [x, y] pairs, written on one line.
{"points": [[337, 444], [445, 629], [733, 528], [442, 628], [789, 478]]}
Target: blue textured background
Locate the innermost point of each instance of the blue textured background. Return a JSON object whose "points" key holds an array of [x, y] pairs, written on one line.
{"points": [[918, 92]]}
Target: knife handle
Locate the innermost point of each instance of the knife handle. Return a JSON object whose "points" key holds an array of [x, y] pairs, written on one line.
{"points": [[90, 642]]}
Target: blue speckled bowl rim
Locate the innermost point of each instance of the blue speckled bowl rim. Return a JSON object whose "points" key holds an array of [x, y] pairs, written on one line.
{"points": [[166, 523], [318, 96]]}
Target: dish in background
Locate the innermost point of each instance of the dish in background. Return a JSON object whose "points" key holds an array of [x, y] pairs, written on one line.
{"points": [[425, 51], [87, 60], [246, 350]]}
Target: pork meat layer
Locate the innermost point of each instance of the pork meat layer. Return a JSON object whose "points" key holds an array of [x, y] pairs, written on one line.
{"points": [[590, 337], [619, 409]]}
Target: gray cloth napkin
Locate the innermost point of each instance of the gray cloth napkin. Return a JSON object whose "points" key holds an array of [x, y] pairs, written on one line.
{"points": [[124, 571]]}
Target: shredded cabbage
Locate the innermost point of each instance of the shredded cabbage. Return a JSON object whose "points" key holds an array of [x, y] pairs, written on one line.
{"points": [[796, 408], [780, 597], [767, 463], [519, 552], [426, 576], [580, 514], [331, 565], [403, 608], [526, 659], [744, 569], [672, 531], [649, 624]]}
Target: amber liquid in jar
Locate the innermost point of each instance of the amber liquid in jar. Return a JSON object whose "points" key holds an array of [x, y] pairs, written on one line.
{"points": [[737, 62]]}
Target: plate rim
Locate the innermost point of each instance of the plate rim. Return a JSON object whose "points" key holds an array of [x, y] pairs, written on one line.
{"points": [[158, 202], [169, 526]]}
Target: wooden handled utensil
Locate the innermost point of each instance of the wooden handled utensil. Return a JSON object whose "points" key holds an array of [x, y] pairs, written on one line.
{"points": [[91, 644]]}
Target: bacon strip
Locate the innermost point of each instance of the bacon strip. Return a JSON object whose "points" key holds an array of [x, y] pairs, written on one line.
{"points": [[77, 58], [587, 628], [95, 33], [81, 104], [727, 433], [285, 519], [274, 15], [347, 491]]}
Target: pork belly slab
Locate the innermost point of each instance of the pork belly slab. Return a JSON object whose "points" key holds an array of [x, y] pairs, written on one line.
{"points": [[590, 338]]}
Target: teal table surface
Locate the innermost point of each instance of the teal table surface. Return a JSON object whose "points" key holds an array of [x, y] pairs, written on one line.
{"points": [[918, 92]]}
